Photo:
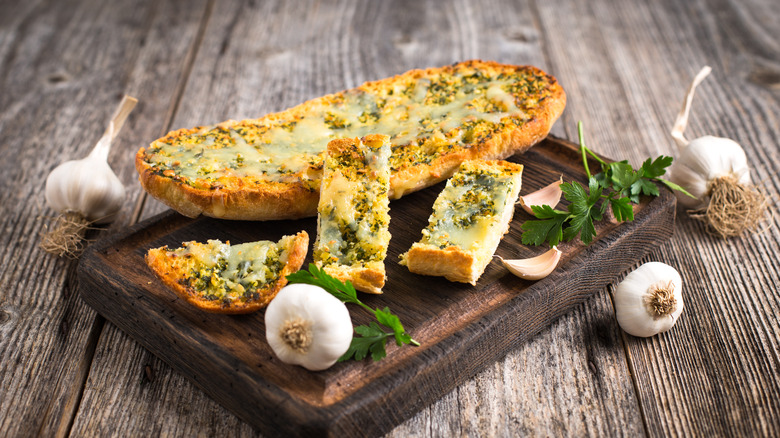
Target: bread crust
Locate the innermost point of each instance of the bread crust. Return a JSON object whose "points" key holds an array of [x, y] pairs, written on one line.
{"points": [[234, 197], [170, 276], [453, 262], [366, 276]]}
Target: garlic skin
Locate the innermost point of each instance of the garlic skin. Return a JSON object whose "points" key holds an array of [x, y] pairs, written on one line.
{"points": [[649, 300], [307, 326], [549, 195], [702, 161], [87, 186], [534, 268]]}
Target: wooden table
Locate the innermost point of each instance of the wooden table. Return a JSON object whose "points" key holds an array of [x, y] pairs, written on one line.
{"points": [[625, 65]]}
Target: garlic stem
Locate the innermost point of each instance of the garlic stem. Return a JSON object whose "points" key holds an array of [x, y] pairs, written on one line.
{"points": [[682, 117], [103, 145], [534, 268], [549, 195]]}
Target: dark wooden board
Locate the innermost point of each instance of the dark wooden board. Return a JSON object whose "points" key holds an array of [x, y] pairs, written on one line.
{"points": [[461, 328]]}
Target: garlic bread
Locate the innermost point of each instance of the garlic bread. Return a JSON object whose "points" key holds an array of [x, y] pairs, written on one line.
{"points": [[221, 278], [470, 216], [270, 167]]}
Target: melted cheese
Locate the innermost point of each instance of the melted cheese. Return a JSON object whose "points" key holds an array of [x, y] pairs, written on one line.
{"points": [[438, 112], [470, 212], [227, 271], [353, 207]]}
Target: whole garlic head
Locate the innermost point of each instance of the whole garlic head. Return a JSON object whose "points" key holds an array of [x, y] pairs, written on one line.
{"points": [[87, 186], [702, 161], [307, 326], [649, 300]]}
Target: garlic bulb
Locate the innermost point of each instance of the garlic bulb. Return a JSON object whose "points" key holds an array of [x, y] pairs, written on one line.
{"points": [[307, 326], [550, 195], [88, 186], [534, 268], [649, 300], [702, 162], [85, 191], [715, 172]]}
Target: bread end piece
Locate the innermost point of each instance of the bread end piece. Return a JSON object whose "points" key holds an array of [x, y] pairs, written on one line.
{"points": [[174, 273]]}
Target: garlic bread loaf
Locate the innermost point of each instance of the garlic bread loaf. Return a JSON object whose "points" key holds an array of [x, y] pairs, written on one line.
{"points": [[353, 219], [470, 216], [270, 168], [221, 278]]}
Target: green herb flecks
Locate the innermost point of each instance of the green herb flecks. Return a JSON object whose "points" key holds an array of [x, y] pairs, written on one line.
{"points": [[373, 337]]}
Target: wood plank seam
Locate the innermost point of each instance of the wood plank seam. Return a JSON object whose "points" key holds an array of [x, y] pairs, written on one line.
{"points": [[98, 327]]}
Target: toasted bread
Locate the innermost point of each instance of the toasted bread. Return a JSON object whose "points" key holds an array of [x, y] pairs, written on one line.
{"points": [[470, 216], [353, 219], [270, 168], [220, 278]]}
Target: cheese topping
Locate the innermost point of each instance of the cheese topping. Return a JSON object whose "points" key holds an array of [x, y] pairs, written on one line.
{"points": [[232, 272], [470, 209], [425, 117], [353, 209]]}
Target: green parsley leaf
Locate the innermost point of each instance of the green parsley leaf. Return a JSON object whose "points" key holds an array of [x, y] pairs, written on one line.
{"points": [[655, 168], [618, 186], [582, 209], [622, 208], [549, 229], [371, 341], [372, 338]]}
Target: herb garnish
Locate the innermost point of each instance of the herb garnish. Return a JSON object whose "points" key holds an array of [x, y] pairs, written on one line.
{"points": [[618, 186], [372, 337]]}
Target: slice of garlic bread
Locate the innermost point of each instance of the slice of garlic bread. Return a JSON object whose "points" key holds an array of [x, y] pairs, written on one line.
{"points": [[222, 278], [353, 219], [470, 216], [270, 168]]}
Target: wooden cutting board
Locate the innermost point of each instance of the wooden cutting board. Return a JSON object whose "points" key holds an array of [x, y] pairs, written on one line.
{"points": [[461, 328]]}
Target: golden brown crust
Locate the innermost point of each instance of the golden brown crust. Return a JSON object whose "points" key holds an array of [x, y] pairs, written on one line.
{"points": [[170, 273], [237, 198], [369, 278], [453, 262], [366, 276]]}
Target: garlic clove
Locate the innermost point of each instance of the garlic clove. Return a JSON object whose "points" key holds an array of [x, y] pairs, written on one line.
{"points": [[534, 268], [549, 195], [649, 300]]}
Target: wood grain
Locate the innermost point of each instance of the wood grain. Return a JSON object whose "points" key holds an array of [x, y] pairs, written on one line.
{"points": [[703, 377], [624, 65], [65, 65], [461, 328]]}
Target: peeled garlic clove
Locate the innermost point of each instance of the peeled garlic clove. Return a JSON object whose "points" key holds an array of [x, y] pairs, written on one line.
{"points": [[534, 268], [649, 300], [550, 195]]}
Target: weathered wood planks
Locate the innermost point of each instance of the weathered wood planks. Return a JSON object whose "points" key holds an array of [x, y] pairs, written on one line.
{"points": [[624, 65]]}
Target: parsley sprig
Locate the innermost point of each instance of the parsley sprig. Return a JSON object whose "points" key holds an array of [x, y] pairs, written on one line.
{"points": [[618, 186], [373, 337]]}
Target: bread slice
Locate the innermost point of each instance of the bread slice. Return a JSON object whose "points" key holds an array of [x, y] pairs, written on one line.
{"points": [[270, 168], [353, 219], [470, 216], [222, 278]]}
